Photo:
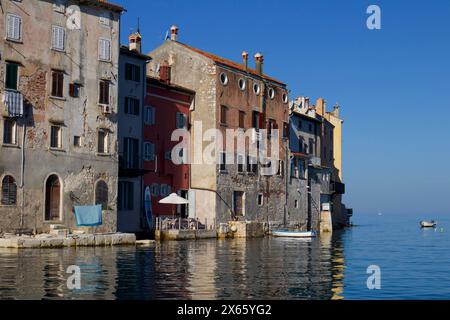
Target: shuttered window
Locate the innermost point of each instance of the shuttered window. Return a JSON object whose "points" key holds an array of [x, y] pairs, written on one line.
{"points": [[13, 27], [101, 194], [130, 153], [9, 191], [56, 137], [104, 49], [57, 83], [104, 92], [126, 195], [102, 146], [58, 38], [149, 118], [132, 72]]}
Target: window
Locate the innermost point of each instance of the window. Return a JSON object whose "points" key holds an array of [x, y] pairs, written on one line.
{"points": [[149, 151], [9, 131], [301, 168], [238, 203], [271, 93], [12, 70], [285, 130], [242, 119], [242, 84], [103, 92], [101, 194], [9, 191], [222, 161], [252, 164], [77, 141], [280, 171], [181, 121], [223, 114], [240, 162], [296, 204], [132, 72], [130, 157], [224, 79], [260, 199], [256, 117], [132, 106], [104, 49], [74, 90], [270, 126], [311, 147], [256, 89], [57, 83], [149, 116], [285, 98], [310, 127], [154, 189], [13, 27], [56, 137], [102, 143], [58, 38], [125, 196]]}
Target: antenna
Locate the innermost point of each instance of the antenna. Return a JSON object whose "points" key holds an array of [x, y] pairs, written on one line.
{"points": [[138, 26]]}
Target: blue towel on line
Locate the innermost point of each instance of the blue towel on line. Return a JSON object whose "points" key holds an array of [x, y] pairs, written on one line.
{"points": [[88, 216]]}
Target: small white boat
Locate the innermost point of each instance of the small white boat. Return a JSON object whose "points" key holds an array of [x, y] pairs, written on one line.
{"points": [[294, 234], [428, 224]]}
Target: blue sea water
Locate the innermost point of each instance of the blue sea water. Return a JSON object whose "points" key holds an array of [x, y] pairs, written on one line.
{"points": [[414, 264]]}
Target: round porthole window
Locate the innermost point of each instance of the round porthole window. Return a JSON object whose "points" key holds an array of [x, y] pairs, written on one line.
{"points": [[256, 89], [285, 98], [224, 79], [242, 84], [271, 93]]}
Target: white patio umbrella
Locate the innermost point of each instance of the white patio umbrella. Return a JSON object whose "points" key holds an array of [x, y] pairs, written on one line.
{"points": [[173, 198]]}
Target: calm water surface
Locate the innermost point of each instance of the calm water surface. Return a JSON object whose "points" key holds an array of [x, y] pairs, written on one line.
{"points": [[415, 264]]}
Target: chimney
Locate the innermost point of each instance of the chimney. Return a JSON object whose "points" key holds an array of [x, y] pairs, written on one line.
{"points": [[245, 60], [336, 110], [173, 33], [259, 59], [321, 107], [135, 42], [165, 72]]}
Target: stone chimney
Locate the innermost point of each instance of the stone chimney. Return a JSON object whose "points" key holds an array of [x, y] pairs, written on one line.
{"points": [[245, 60], [321, 106], [173, 33], [336, 110], [259, 59], [135, 42]]}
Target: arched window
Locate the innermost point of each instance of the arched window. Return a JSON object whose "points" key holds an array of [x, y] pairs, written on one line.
{"points": [[52, 198], [101, 194], [9, 191]]}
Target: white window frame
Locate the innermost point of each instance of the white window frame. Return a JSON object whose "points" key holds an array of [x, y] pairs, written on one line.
{"points": [[11, 34], [105, 19], [105, 141], [59, 138], [59, 6], [58, 39], [104, 56]]}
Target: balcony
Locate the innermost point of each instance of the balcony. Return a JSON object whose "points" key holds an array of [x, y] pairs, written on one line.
{"points": [[130, 166], [337, 187], [314, 161]]}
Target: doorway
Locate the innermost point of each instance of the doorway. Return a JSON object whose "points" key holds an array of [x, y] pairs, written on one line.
{"points": [[52, 198]]}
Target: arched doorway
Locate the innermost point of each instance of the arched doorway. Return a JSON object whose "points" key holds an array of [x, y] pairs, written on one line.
{"points": [[52, 198]]}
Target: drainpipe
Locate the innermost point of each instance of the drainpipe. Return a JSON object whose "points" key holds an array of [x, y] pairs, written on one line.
{"points": [[22, 172]]}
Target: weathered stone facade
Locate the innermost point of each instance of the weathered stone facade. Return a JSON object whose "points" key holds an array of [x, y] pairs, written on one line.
{"points": [[201, 72], [75, 164]]}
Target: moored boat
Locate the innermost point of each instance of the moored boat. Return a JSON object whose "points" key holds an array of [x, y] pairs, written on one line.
{"points": [[293, 234], [428, 224]]}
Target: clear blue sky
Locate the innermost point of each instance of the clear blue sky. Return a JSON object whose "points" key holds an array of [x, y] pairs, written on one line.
{"points": [[393, 84]]}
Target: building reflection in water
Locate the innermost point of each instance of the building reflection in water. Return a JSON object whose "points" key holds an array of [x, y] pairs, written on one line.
{"points": [[268, 268]]}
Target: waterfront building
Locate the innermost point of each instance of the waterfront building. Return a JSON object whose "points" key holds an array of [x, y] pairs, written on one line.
{"points": [[131, 116], [308, 181], [230, 95], [167, 109], [58, 115]]}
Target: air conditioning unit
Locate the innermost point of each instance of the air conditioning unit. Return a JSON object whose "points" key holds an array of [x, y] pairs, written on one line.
{"points": [[106, 109], [326, 206]]}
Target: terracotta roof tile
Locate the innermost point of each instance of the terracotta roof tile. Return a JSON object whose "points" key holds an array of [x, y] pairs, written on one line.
{"points": [[230, 63], [107, 4]]}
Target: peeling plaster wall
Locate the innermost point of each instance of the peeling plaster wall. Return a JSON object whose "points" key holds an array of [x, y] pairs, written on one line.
{"points": [[78, 168]]}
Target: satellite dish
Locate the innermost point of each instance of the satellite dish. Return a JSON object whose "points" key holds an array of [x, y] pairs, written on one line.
{"points": [[73, 17]]}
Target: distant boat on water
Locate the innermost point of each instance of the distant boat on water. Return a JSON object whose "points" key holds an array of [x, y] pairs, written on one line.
{"points": [[428, 224]]}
